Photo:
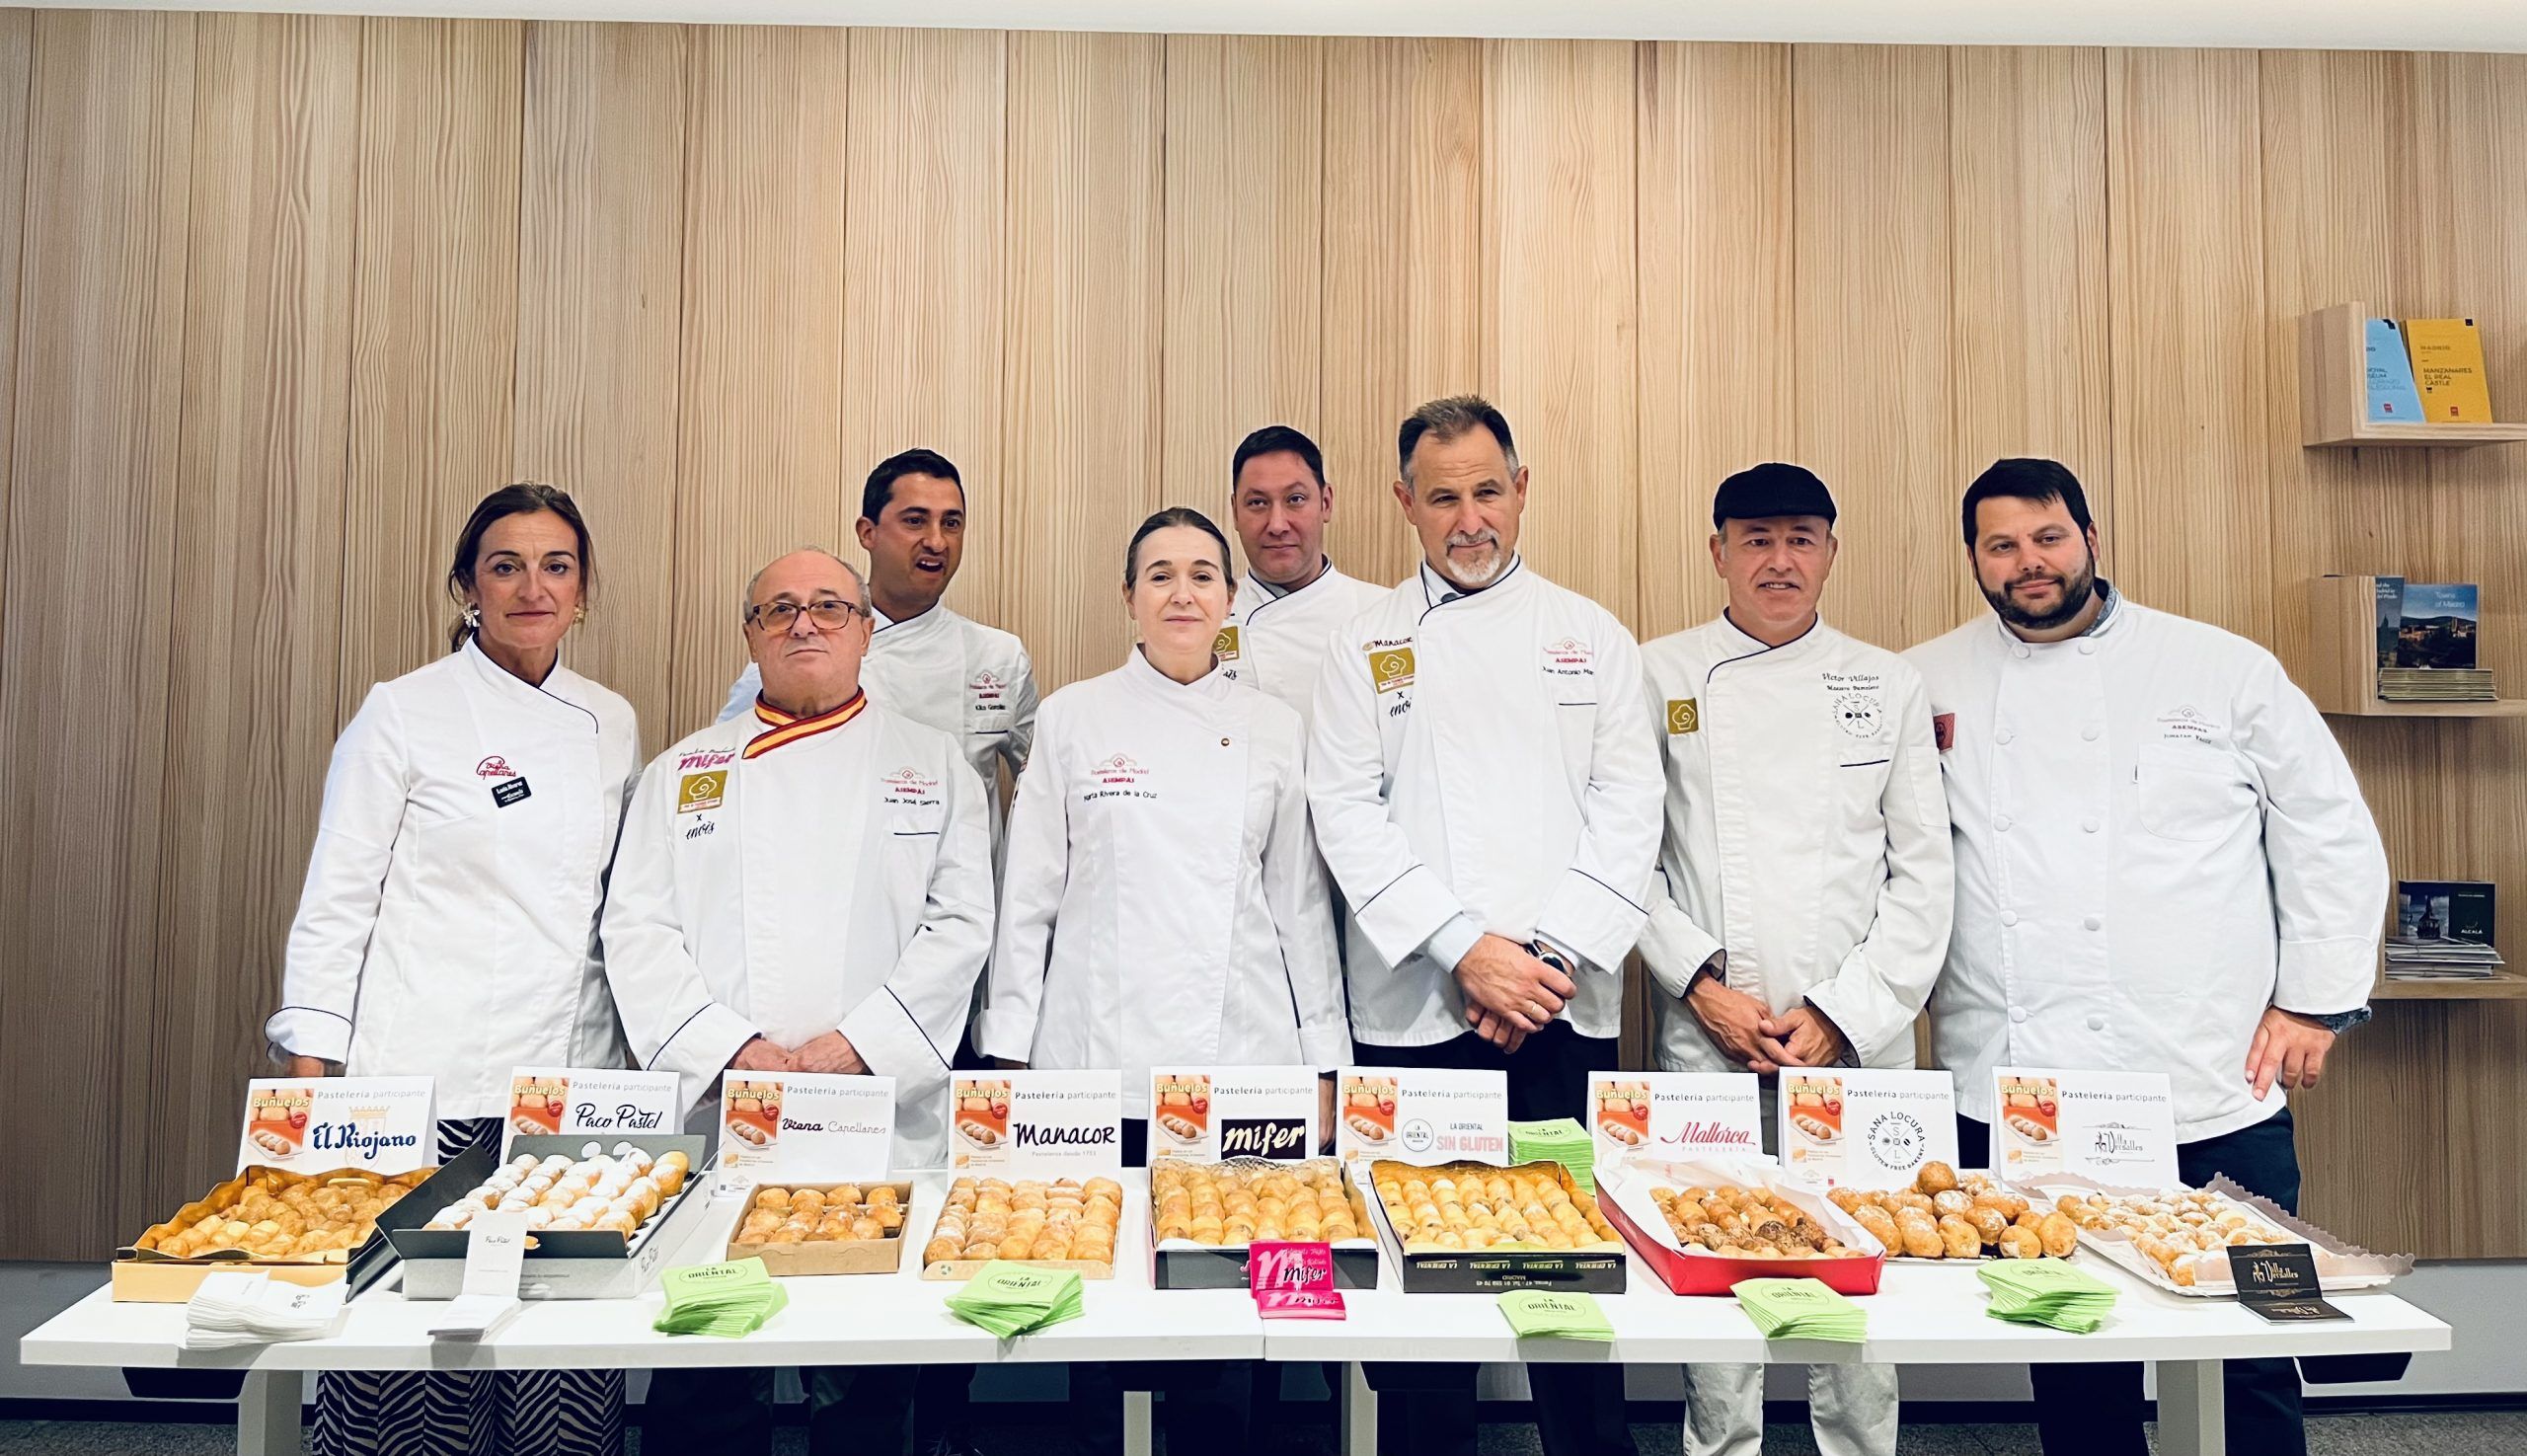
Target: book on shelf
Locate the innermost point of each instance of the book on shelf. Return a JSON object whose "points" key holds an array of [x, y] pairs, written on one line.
{"points": [[2448, 363], [2443, 931], [2394, 399], [2428, 648]]}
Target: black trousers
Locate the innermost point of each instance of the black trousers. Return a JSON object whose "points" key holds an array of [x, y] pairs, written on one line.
{"points": [[852, 1411], [1427, 1410], [2097, 1409]]}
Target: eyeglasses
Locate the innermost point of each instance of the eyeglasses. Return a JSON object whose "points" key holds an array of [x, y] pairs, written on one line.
{"points": [[833, 614]]}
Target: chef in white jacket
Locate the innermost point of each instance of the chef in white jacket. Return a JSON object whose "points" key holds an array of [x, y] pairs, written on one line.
{"points": [[448, 925], [2163, 863], [808, 888], [1162, 900], [1293, 598], [1487, 798], [1806, 883], [925, 660]]}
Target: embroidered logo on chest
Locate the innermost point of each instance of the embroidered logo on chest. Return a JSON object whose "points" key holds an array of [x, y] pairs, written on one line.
{"points": [[909, 788], [1570, 657], [1858, 702], [1225, 645]]}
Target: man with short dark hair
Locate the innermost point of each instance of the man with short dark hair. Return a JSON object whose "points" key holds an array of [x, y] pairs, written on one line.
{"points": [[1294, 597], [972, 682], [2163, 863], [1487, 796]]}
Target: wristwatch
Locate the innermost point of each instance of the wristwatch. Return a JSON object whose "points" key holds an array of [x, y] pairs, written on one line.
{"points": [[1550, 957]]}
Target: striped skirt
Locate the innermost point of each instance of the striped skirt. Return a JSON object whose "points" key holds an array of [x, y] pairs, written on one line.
{"points": [[468, 1413]]}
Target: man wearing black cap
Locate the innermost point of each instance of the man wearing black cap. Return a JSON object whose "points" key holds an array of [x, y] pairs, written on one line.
{"points": [[1809, 881]]}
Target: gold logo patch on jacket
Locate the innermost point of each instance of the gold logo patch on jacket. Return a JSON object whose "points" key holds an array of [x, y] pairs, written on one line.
{"points": [[1391, 667], [1684, 715], [695, 792], [1224, 646]]}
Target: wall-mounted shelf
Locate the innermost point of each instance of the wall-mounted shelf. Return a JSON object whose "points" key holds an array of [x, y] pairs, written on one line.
{"points": [[2343, 673], [2333, 392], [2504, 985]]}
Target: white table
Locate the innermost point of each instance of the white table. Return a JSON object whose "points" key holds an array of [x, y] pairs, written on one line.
{"points": [[1923, 1315]]}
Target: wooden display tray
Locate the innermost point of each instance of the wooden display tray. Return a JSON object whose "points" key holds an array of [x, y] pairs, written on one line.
{"points": [[811, 1257]]}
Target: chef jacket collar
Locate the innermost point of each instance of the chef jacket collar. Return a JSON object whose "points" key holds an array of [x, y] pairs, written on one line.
{"points": [[1273, 591], [1211, 685], [1439, 590], [783, 729], [1743, 644], [553, 695], [2109, 611]]}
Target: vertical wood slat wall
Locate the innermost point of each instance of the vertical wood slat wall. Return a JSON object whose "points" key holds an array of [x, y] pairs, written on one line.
{"points": [[280, 296]]}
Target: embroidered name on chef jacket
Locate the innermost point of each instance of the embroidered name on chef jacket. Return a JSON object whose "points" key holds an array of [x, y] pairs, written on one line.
{"points": [[1117, 777], [990, 698], [1570, 657], [909, 788], [1224, 647], [1684, 715], [2187, 724]]}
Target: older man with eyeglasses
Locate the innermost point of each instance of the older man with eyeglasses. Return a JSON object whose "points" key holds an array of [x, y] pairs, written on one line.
{"points": [[806, 887]]}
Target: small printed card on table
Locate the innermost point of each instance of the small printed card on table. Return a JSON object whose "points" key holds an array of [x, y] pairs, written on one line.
{"points": [[1293, 1281], [2278, 1282], [1673, 1115], [1215, 1113], [1422, 1115], [803, 1127], [1862, 1127], [547, 1100], [321, 1125], [2117, 1127], [1037, 1123]]}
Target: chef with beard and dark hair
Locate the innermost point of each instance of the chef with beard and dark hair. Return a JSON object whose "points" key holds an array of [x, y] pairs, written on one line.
{"points": [[2163, 865]]}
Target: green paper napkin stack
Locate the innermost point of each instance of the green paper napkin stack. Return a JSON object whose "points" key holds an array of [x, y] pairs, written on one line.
{"points": [[1800, 1309], [723, 1299], [2047, 1291], [1551, 1314], [1556, 1140], [1012, 1299]]}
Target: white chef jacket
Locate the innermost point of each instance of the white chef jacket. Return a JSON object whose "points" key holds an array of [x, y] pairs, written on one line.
{"points": [[1806, 834], [1275, 639], [1161, 901], [838, 880], [2157, 838], [448, 924], [972, 682], [1478, 763]]}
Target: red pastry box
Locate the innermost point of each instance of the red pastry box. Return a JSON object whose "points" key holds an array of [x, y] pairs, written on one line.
{"points": [[1627, 1192]]}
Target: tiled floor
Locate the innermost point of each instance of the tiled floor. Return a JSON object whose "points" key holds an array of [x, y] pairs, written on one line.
{"points": [[2494, 1433]]}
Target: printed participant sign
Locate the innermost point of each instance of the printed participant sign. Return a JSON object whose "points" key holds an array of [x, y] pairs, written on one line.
{"points": [[1673, 1116], [1038, 1123], [1232, 1112], [1869, 1129], [546, 1101], [323, 1125], [1422, 1115], [803, 1127], [2117, 1127]]}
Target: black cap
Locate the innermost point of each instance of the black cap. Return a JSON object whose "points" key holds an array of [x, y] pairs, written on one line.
{"points": [[1772, 488]]}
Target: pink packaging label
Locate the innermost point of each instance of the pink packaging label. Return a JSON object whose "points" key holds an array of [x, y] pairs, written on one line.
{"points": [[1299, 1304], [1293, 1281]]}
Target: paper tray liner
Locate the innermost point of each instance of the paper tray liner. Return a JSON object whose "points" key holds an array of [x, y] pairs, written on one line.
{"points": [[2341, 1264]]}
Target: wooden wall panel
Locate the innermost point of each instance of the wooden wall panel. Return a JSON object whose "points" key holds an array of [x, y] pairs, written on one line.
{"points": [[1084, 329], [17, 56], [759, 465], [2026, 200], [1717, 363], [2190, 395], [923, 251], [1873, 260], [433, 326], [257, 568], [1244, 134], [600, 285], [89, 615], [1560, 341], [1404, 270]]}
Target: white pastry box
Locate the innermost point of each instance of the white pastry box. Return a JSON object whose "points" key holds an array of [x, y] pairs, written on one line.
{"points": [[590, 1263]]}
